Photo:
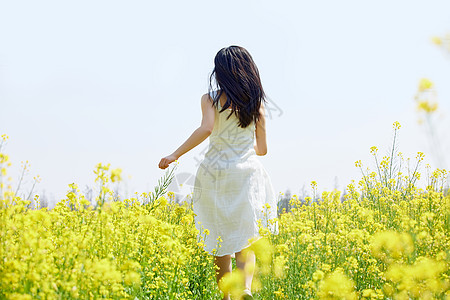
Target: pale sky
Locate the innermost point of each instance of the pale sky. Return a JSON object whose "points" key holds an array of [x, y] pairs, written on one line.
{"points": [[120, 82]]}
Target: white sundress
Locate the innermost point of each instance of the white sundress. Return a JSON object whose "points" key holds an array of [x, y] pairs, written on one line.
{"points": [[231, 187]]}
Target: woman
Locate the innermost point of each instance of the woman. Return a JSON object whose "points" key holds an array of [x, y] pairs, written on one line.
{"points": [[231, 185]]}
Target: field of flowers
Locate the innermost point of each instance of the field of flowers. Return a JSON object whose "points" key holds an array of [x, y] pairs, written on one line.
{"points": [[385, 238]]}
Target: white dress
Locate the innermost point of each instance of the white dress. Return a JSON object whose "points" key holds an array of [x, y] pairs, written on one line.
{"points": [[231, 187]]}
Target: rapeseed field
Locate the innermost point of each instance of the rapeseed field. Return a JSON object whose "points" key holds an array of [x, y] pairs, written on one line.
{"points": [[384, 238]]}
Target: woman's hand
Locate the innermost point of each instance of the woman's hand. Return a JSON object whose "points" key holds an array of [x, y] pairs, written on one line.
{"points": [[164, 163]]}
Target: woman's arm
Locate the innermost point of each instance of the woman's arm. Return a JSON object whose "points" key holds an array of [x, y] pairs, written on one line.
{"points": [[198, 136], [260, 133]]}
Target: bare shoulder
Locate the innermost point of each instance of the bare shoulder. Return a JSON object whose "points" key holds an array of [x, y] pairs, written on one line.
{"points": [[206, 98]]}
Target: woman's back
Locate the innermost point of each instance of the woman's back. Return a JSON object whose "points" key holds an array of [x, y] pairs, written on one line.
{"points": [[228, 141], [232, 187]]}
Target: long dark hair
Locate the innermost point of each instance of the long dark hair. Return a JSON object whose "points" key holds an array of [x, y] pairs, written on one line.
{"points": [[237, 76]]}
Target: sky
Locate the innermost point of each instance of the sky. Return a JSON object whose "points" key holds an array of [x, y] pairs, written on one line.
{"points": [[120, 82]]}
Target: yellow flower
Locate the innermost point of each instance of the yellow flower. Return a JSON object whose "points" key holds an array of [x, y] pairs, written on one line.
{"points": [[368, 293], [425, 84], [116, 175], [132, 278], [374, 149], [318, 275], [390, 244], [171, 195], [279, 266], [420, 156], [162, 201], [419, 278], [282, 248], [3, 158], [232, 283], [436, 40], [426, 106], [396, 125], [263, 251], [336, 286], [279, 293]]}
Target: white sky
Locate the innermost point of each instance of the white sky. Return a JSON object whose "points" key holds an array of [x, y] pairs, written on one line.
{"points": [[83, 82]]}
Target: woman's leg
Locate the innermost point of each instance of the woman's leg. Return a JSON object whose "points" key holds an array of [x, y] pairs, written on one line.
{"points": [[224, 264], [243, 259]]}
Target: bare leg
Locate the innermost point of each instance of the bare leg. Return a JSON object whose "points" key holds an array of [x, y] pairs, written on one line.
{"points": [[242, 261], [224, 264]]}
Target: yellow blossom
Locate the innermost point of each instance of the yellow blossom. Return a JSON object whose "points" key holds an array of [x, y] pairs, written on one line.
{"points": [[116, 175], [336, 286], [427, 106], [425, 84], [436, 40]]}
